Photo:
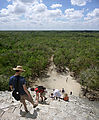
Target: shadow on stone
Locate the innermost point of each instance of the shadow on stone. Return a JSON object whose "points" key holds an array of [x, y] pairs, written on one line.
{"points": [[29, 115], [44, 103]]}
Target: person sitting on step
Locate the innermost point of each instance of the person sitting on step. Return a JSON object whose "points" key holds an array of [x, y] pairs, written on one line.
{"points": [[65, 97]]}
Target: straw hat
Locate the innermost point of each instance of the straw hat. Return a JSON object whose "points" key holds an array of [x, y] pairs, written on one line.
{"points": [[19, 68]]}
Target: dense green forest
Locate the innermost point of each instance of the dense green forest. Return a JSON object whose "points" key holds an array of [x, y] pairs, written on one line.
{"points": [[77, 50]]}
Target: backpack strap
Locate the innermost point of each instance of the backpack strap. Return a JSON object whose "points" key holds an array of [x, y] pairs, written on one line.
{"points": [[17, 83]]}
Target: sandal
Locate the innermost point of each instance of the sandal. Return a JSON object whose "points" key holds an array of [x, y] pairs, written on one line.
{"points": [[35, 105]]}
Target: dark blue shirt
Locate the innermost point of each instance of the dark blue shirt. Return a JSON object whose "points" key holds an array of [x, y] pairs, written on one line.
{"points": [[13, 82]]}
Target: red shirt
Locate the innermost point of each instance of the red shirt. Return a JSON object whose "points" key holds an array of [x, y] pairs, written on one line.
{"points": [[66, 98], [38, 91]]}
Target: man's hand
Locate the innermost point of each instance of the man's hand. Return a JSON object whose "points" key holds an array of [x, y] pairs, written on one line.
{"points": [[10, 88]]}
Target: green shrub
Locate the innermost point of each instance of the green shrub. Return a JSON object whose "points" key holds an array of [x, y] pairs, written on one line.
{"points": [[4, 83], [33, 49], [90, 78]]}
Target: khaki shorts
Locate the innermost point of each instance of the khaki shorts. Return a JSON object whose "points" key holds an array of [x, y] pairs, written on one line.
{"points": [[25, 97]]}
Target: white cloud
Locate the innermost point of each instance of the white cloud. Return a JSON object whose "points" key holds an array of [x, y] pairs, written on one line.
{"points": [[55, 5], [3, 13], [93, 15], [73, 14], [41, 14], [19, 9], [35, 15], [13, 9], [40, 8], [79, 2], [55, 13]]}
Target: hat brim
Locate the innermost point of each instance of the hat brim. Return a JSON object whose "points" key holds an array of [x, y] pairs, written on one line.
{"points": [[18, 69]]}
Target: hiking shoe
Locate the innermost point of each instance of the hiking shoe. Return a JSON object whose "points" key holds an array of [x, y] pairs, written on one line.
{"points": [[45, 98], [35, 105], [26, 111]]}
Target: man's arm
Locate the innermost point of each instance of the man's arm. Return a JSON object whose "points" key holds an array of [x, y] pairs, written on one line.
{"points": [[26, 90], [11, 88]]}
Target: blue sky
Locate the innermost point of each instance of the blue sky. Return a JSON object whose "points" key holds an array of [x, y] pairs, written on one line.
{"points": [[49, 14]]}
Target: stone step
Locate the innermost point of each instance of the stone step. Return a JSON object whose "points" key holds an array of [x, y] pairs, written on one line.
{"points": [[75, 109]]}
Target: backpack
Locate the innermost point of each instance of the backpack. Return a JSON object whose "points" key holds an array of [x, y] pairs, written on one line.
{"points": [[16, 93], [40, 89]]}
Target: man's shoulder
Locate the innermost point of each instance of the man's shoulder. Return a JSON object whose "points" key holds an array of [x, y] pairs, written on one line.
{"points": [[12, 77], [22, 78]]}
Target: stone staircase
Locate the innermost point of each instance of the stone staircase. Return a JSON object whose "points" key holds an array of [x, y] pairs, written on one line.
{"points": [[75, 109]]}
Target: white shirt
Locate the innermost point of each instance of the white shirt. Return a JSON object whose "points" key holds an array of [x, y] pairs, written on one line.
{"points": [[56, 93]]}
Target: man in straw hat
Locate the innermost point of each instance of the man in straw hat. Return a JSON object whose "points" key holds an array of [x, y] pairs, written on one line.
{"points": [[24, 93]]}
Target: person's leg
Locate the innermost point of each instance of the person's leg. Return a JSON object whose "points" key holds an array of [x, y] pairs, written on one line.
{"points": [[25, 97], [22, 100], [25, 107], [31, 101], [44, 96], [37, 97], [41, 97], [59, 98], [56, 97]]}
